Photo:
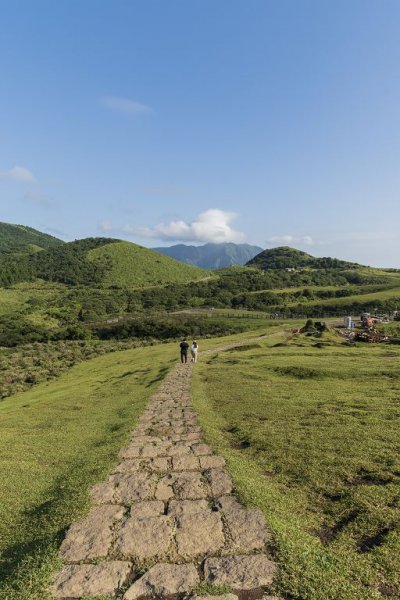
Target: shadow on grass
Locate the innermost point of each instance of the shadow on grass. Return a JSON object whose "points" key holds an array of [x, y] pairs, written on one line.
{"points": [[159, 377], [39, 534]]}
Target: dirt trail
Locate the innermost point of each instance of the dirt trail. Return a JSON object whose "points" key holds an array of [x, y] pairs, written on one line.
{"points": [[166, 521]]}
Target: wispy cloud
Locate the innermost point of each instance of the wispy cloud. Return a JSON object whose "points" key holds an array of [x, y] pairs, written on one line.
{"points": [[125, 106], [166, 190], [106, 227], [36, 197], [213, 225], [305, 240], [18, 173]]}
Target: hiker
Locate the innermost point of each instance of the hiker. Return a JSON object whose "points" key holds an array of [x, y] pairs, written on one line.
{"points": [[184, 348], [193, 351]]}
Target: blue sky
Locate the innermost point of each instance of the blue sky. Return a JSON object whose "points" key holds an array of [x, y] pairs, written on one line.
{"points": [[270, 122]]}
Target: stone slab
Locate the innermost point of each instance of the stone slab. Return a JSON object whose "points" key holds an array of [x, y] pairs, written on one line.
{"points": [[102, 493], [211, 462], [150, 508], [221, 483], [130, 452], [91, 537], [76, 581], [189, 486], [240, 572], [164, 580], [145, 538], [132, 487], [247, 527], [185, 463], [201, 449], [177, 508], [199, 533]]}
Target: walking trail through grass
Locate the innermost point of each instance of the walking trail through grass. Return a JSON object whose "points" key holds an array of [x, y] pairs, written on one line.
{"points": [[313, 452], [165, 522]]}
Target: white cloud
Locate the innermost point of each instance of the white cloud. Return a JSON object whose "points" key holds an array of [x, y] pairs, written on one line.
{"points": [[125, 105], [213, 225], [305, 240], [106, 227], [18, 174]]}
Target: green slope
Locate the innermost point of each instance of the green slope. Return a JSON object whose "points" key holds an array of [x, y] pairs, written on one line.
{"points": [[285, 257], [129, 265], [55, 442], [19, 238]]}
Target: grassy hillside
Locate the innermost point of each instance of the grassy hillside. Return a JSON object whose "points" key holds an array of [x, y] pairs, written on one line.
{"points": [[309, 429], [19, 238], [55, 442], [132, 266], [92, 280], [96, 262]]}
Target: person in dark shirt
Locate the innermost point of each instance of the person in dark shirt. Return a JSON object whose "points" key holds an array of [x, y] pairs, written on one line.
{"points": [[184, 350]]}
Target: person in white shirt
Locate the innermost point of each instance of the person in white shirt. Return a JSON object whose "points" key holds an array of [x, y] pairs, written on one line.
{"points": [[193, 350]]}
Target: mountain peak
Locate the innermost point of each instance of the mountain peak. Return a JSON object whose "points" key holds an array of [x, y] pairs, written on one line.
{"points": [[211, 255]]}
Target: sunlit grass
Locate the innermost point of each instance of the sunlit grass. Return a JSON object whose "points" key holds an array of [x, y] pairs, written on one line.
{"points": [[56, 440], [310, 434]]}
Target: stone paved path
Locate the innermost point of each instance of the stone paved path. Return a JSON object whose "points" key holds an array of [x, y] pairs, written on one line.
{"points": [[166, 519]]}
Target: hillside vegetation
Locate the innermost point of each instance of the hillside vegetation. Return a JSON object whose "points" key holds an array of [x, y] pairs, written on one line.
{"points": [[131, 266], [96, 262], [55, 294], [284, 257], [19, 238]]}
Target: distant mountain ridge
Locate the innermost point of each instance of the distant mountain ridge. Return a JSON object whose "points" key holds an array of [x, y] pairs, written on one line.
{"points": [[285, 257], [19, 238], [212, 256]]}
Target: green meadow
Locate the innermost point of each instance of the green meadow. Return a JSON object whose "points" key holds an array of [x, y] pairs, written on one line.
{"points": [[308, 426], [309, 429], [56, 440]]}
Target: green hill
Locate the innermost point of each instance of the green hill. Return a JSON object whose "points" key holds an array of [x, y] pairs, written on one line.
{"points": [[128, 265], [96, 262], [290, 258], [18, 238]]}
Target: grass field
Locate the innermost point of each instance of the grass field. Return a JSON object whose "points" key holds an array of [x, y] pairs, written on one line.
{"points": [[360, 299], [309, 429], [59, 438], [55, 442]]}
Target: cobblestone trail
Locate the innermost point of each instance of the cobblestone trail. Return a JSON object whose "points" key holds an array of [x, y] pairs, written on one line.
{"points": [[166, 519]]}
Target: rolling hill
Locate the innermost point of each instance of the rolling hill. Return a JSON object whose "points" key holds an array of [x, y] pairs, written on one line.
{"points": [[128, 265], [92, 262], [19, 238], [212, 256], [284, 257]]}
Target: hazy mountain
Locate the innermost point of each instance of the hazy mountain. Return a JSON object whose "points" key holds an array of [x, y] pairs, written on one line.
{"points": [[211, 256]]}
